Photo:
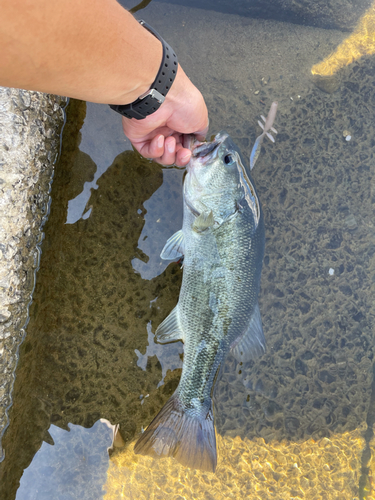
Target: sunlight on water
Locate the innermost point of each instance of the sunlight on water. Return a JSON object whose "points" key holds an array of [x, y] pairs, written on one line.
{"points": [[360, 43], [326, 468]]}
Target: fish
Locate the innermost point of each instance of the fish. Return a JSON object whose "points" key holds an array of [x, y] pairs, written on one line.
{"points": [[268, 122], [222, 245]]}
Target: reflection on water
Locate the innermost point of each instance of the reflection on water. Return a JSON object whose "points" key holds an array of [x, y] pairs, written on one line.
{"points": [[73, 465], [293, 423], [99, 152], [163, 217], [169, 357]]}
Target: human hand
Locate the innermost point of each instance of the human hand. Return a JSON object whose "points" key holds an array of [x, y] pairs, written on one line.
{"points": [[159, 136]]}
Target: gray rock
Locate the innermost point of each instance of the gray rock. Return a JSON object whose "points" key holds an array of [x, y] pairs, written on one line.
{"points": [[29, 144]]}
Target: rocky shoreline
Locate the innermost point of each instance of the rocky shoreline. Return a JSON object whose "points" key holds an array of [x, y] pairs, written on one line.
{"points": [[30, 125]]}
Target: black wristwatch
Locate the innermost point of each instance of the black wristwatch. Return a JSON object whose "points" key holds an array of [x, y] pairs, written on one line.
{"points": [[150, 101]]}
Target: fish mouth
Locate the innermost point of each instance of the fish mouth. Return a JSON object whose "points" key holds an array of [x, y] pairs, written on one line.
{"points": [[204, 151]]}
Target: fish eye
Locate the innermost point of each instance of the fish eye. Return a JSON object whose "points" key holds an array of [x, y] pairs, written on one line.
{"points": [[228, 159]]}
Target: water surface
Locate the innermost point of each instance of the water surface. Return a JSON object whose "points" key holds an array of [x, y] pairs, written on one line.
{"points": [[297, 423]]}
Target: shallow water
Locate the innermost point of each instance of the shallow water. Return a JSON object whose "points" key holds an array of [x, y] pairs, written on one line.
{"points": [[297, 423]]}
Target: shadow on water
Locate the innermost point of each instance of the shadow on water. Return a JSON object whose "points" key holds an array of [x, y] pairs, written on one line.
{"points": [[90, 312], [293, 423]]}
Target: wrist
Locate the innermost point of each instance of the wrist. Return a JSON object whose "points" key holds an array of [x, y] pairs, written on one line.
{"points": [[150, 101], [181, 86], [146, 52]]}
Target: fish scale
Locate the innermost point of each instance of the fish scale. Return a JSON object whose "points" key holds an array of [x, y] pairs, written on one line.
{"points": [[202, 260]]}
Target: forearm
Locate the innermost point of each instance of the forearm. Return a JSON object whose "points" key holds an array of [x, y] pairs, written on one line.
{"points": [[88, 49]]}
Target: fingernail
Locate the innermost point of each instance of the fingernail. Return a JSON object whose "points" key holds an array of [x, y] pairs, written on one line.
{"points": [[170, 147], [186, 157], [160, 141]]}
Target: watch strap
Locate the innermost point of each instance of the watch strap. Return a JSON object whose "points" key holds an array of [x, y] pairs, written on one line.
{"points": [[150, 101]]}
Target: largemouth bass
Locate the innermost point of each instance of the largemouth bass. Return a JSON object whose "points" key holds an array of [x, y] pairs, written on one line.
{"points": [[222, 244]]}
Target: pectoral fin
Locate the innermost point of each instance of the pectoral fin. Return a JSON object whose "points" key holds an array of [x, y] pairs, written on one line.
{"points": [[170, 329], [203, 222], [252, 343], [174, 248]]}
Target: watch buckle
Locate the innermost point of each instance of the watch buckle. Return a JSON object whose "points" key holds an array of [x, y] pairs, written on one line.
{"points": [[154, 94]]}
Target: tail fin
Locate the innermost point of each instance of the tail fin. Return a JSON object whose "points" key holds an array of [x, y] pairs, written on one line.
{"points": [[175, 432]]}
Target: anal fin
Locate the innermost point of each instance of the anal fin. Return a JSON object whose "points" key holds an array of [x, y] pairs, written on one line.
{"points": [[252, 343], [170, 329]]}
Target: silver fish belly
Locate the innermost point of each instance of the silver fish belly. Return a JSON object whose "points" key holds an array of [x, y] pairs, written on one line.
{"points": [[222, 242]]}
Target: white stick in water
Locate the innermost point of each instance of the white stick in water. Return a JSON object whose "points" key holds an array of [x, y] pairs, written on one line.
{"points": [[268, 122]]}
